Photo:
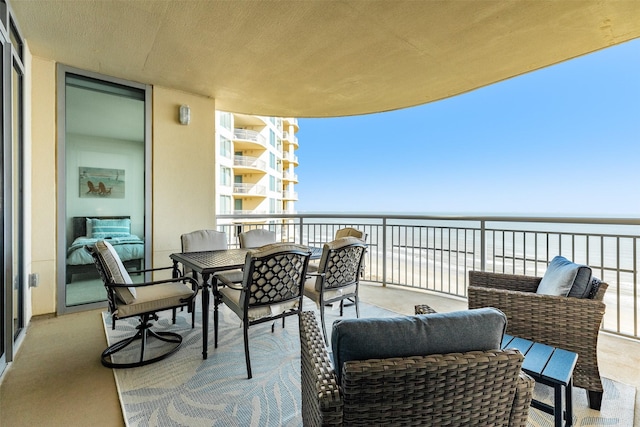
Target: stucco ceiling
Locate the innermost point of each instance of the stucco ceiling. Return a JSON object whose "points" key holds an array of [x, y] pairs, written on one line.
{"points": [[321, 58]]}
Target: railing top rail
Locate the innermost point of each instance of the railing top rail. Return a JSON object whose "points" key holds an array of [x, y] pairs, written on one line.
{"points": [[492, 218]]}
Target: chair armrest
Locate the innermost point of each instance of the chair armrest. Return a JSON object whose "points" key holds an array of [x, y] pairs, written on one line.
{"points": [[183, 279], [512, 282], [522, 401], [147, 270], [321, 399]]}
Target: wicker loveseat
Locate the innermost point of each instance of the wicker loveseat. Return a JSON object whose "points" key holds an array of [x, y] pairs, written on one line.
{"points": [[475, 388], [558, 321]]}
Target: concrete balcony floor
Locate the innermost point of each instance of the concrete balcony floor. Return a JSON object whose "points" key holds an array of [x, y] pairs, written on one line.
{"points": [[57, 379]]}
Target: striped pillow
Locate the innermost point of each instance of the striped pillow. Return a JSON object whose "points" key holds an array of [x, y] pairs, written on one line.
{"points": [[104, 228]]}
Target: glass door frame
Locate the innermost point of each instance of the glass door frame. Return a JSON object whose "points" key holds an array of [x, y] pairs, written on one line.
{"points": [[61, 222]]}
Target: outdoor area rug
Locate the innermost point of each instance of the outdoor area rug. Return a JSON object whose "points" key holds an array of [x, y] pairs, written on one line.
{"points": [[184, 390]]}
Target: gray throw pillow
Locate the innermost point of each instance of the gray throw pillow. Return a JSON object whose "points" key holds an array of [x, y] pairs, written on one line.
{"points": [[440, 333], [565, 278]]}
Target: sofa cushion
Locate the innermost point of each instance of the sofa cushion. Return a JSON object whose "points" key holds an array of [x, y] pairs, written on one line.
{"points": [[440, 333], [565, 278]]}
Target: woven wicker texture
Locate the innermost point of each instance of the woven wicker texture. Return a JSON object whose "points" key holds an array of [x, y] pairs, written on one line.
{"points": [[568, 323], [477, 388]]}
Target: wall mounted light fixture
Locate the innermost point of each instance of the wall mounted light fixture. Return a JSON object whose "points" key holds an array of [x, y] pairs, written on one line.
{"points": [[185, 114]]}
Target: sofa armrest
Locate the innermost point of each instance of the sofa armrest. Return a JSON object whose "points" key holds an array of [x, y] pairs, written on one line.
{"points": [[321, 399]]}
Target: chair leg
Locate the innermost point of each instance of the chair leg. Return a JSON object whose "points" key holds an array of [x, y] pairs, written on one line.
{"points": [[594, 399], [324, 328], [142, 334], [173, 317], [246, 349], [356, 301]]}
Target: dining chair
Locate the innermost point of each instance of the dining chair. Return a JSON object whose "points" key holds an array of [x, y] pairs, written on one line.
{"points": [[143, 300], [344, 232], [271, 288], [351, 232], [337, 278], [208, 240], [256, 238]]}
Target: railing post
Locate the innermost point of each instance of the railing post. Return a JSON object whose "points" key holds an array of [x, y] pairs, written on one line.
{"points": [[301, 230], [483, 246], [384, 251]]}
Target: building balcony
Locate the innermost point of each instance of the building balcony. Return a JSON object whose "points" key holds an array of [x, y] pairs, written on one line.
{"points": [[289, 139], [291, 177], [248, 139], [289, 195], [290, 158], [246, 190], [248, 164], [290, 121]]}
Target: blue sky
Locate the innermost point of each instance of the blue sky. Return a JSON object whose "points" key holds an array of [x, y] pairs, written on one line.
{"points": [[564, 140]]}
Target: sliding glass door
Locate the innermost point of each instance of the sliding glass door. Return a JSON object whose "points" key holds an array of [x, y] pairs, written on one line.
{"points": [[104, 151], [13, 283]]}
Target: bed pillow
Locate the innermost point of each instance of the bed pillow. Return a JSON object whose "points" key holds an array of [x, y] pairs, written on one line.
{"points": [[105, 228], [565, 278]]}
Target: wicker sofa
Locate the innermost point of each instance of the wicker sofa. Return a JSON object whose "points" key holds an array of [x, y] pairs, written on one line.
{"points": [[476, 388], [564, 322]]}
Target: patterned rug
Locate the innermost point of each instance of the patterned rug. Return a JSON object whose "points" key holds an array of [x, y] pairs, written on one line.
{"points": [[184, 390]]}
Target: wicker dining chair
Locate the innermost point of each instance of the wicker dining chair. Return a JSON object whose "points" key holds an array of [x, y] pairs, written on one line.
{"points": [[565, 322], [467, 388]]}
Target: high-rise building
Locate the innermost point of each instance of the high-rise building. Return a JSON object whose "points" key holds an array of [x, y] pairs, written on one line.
{"points": [[255, 164]]}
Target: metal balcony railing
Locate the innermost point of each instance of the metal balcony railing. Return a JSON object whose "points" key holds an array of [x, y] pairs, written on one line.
{"points": [[436, 253]]}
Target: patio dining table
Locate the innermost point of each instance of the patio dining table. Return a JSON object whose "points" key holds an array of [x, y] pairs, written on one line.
{"points": [[208, 263]]}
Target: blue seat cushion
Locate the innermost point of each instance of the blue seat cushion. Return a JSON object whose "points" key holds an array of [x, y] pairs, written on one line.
{"points": [[565, 278], [421, 335]]}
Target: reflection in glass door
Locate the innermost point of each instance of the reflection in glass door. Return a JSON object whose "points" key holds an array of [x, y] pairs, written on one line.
{"points": [[104, 146]]}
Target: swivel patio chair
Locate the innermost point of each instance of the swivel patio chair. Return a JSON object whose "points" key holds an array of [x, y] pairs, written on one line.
{"points": [[559, 321], [337, 278], [256, 238], [271, 288], [438, 370], [143, 300]]}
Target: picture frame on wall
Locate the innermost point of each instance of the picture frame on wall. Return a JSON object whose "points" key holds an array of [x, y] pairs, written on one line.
{"points": [[101, 182]]}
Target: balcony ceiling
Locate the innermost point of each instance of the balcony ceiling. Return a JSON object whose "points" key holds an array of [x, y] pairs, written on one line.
{"points": [[321, 58]]}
